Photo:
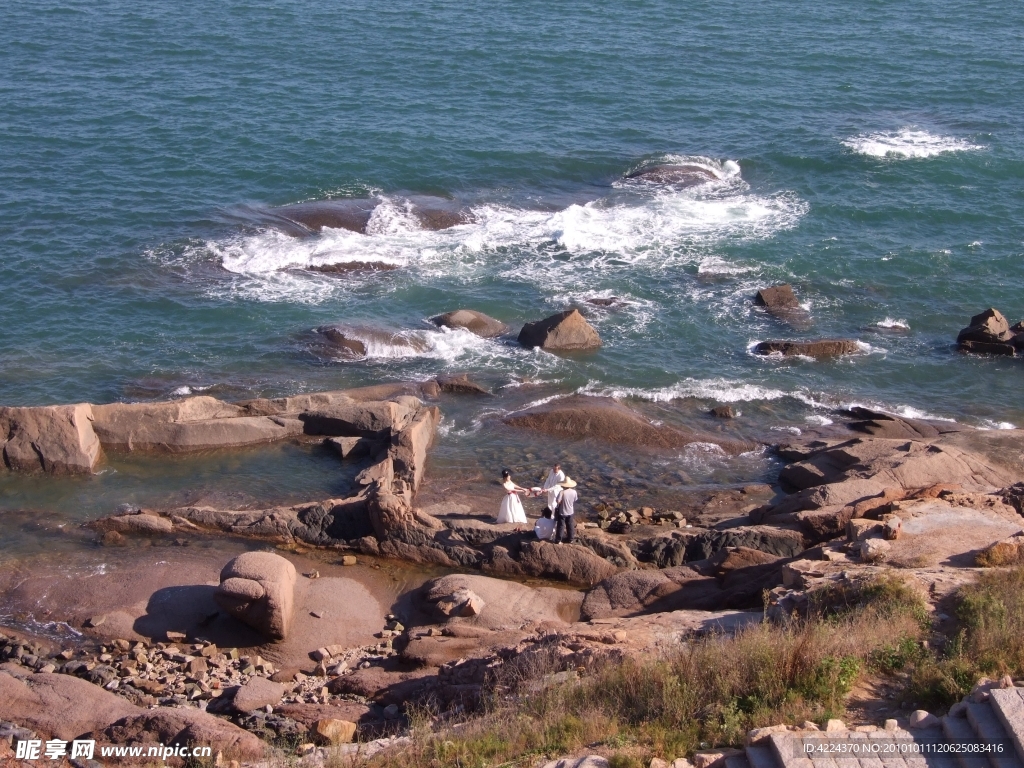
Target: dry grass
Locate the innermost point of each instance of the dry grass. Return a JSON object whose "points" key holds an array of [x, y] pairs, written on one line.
{"points": [[707, 694]]}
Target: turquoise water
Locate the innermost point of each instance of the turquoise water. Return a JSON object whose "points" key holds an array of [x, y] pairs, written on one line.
{"points": [[871, 154]]}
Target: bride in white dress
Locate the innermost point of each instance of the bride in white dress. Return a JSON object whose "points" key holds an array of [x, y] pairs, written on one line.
{"points": [[511, 509]]}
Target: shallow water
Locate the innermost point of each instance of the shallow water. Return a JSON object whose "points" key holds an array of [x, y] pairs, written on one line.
{"points": [[872, 156]]}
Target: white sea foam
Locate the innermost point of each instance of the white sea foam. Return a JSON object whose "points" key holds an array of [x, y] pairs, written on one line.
{"points": [[658, 227], [716, 265], [892, 324], [818, 420], [991, 424], [718, 390], [908, 143]]}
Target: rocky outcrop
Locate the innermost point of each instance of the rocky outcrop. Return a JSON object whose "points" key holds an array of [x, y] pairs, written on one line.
{"points": [[602, 418], [182, 726], [60, 706], [989, 333], [573, 563], [190, 424], [833, 483], [58, 439], [503, 605], [258, 588], [374, 420], [781, 303], [567, 331], [472, 321], [815, 348]]}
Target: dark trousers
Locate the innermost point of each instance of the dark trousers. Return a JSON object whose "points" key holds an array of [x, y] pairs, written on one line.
{"points": [[567, 523]]}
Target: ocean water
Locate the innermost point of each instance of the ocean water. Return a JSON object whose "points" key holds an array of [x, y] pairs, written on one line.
{"points": [[870, 154]]}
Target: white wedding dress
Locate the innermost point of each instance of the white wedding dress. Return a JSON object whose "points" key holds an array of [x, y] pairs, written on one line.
{"points": [[511, 509]]}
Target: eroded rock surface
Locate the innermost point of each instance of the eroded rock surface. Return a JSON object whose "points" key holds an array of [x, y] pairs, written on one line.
{"points": [[258, 588], [59, 439]]}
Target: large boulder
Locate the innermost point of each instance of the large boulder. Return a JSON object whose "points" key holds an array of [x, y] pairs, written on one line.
{"points": [[815, 348], [409, 451], [191, 424], [472, 321], [603, 418], [258, 693], [59, 439], [183, 726], [565, 331], [60, 706], [258, 588], [351, 419], [988, 333]]}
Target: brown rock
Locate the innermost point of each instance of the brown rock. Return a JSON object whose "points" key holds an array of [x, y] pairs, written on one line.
{"points": [[258, 588], [190, 424], [460, 384], [472, 321], [565, 331], [782, 304], [349, 447], [817, 348], [603, 418], [723, 412], [184, 726], [258, 693], [572, 563], [138, 523], [367, 419], [988, 327], [59, 705], [989, 348], [333, 732], [58, 439]]}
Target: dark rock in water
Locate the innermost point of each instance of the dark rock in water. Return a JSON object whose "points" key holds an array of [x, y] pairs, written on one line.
{"points": [[441, 218], [817, 348], [603, 418], [990, 348], [348, 267], [777, 297], [565, 331], [460, 384], [308, 218], [472, 321], [609, 302], [676, 175], [355, 341], [723, 412], [988, 327], [782, 304]]}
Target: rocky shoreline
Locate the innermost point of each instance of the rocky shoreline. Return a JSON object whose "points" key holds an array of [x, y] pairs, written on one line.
{"points": [[934, 501]]}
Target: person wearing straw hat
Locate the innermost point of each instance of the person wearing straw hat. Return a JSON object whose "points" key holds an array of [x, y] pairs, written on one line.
{"points": [[565, 512], [511, 509]]}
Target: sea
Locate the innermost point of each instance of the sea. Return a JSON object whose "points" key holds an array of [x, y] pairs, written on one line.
{"points": [[871, 154]]}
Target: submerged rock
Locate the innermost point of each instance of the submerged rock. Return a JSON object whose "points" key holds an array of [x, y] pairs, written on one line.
{"points": [[816, 348], [360, 341], [472, 321], [605, 419], [781, 303], [683, 174], [348, 267], [565, 331]]}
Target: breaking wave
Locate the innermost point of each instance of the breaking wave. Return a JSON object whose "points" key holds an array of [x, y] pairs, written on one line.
{"points": [[907, 143]]}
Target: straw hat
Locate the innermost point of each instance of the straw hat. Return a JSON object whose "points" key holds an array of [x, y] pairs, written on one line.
{"points": [[568, 482]]}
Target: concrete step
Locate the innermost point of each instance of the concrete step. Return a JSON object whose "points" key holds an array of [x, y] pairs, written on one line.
{"points": [[987, 728], [958, 731], [787, 752], [760, 756], [1008, 705]]}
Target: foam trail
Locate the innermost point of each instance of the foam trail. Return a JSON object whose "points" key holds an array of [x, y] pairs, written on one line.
{"points": [[907, 143]]}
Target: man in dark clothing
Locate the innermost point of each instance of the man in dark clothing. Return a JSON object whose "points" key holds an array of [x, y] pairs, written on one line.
{"points": [[565, 512]]}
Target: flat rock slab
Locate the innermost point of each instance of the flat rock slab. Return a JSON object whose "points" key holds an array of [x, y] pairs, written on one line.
{"points": [[937, 533]]}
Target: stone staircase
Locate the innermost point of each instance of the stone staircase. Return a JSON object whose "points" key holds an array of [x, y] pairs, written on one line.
{"points": [[992, 718]]}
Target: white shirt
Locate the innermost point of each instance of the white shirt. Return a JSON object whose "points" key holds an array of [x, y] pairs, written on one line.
{"points": [[551, 485]]}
